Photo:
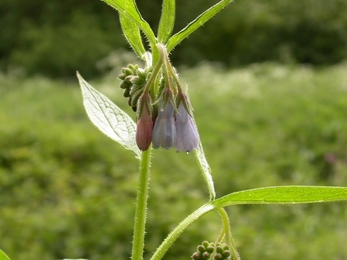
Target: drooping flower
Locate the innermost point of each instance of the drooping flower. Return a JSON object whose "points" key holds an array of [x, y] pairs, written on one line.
{"points": [[144, 123], [187, 137], [164, 132]]}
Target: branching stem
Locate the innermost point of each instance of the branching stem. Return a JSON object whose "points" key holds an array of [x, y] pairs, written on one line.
{"points": [[228, 237], [171, 238]]}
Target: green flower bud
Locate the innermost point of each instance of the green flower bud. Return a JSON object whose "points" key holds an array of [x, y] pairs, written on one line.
{"points": [[196, 256]]}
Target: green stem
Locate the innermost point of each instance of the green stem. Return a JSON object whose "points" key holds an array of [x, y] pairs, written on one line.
{"points": [[171, 238], [218, 240], [141, 206], [150, 83], [228, 237], [169, 71], [205, 169]]}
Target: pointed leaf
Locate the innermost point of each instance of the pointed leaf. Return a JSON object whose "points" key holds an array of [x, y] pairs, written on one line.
{"points": [[167, 20], [194, 25], [132, 34], [3, 256], [129, 9], [284, 195], [109, 118]]}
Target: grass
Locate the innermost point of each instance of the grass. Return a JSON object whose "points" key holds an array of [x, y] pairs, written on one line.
{"points": [[68, 191]]}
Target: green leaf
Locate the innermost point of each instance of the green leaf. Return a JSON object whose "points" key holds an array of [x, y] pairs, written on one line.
{"points": [[167, 20], [109, 118], [129, 9], [206, 170], [3, 256], [132, 34], [194, 25], [284, 195]]}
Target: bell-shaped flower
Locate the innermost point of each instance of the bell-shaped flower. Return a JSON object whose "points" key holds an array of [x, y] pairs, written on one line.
{"points": [[144, 124], [187, 137], [164, 132]]}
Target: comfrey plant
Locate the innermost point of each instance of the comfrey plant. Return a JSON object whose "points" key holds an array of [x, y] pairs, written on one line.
{"points": [[165, 120]]}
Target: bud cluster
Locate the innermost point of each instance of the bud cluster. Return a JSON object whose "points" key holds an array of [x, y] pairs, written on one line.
{"points": [[208, 250], [134, 80]]}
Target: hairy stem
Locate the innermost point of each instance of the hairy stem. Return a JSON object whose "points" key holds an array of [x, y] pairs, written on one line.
{"points": [[141, 206], [171, 238], [228, 237], [150, 83]]}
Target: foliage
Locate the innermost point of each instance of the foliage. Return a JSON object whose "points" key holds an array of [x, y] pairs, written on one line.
{"points": [[277, 125], [310, 31], [53, 38], [3, 256]]}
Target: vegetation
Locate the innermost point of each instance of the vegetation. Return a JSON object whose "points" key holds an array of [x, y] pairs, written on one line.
{"points": [[55, 37], [69, 192]]}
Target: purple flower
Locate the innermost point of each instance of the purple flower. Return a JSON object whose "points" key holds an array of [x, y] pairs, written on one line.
{"points": [[164, 132], [187, 137], [144, 128]]}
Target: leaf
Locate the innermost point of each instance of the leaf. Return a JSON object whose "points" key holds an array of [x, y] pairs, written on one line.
{"points": [[132, 34], [195, 24], [3, 256], [109, 118], [129, 9], [167, 20], [284, 195], [206, 170]]}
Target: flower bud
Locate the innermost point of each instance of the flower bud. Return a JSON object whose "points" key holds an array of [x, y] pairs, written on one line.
{"points": [[186, 132], [144, 123], [164, 132], [201, 248], [196, 256], [206, 255]]}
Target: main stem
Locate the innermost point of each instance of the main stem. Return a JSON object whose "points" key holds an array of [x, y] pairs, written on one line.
{"points": [[141, 207]]}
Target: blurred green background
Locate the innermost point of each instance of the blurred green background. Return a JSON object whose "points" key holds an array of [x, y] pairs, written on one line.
{"points": [[268, 83], [56, 38]]}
